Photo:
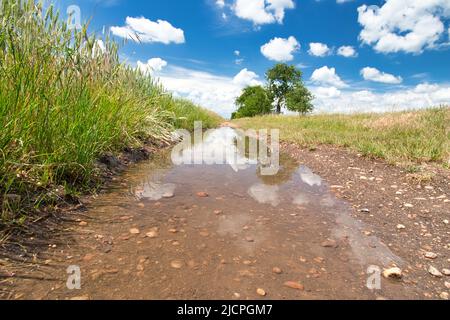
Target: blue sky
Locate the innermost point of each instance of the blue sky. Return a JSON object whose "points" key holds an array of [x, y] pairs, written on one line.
{"points": [[354, 56]]}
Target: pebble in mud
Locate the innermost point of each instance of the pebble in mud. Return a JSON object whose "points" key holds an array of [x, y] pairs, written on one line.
{"points": [[435, 272], [430, 255], [80, 298], [444, 295], [202, 194], [446, 272], [204, 233], [294, 285], [261, 292], [176, 264], [153, 233], [134, 231], [393, 273], [277, 270], [329, 244]]}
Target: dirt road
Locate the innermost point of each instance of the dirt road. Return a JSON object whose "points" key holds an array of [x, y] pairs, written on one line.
{"points": [[165, 231]]}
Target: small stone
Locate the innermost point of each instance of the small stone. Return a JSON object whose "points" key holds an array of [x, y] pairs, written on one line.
{"points": [[365, 210], [446, 272], [277, 270], [261, 292], [329, 244], [236, 295], [294, 285], [134, 231], [408, 205], [217, 212], [202, 194], [393, 273], [176, 264], [447, 284], [249, 239], [445, 221], [247, 262], [319, 259], [168, 195], [80, 298], [435, 272], [401, 227], [83, 223], [431, 255], [173, 230], [152, 234], [204, 233], [444, 295]]}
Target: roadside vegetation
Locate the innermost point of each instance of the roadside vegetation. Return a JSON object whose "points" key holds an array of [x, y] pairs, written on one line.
{"points": [[65, 100], [403, 137], [284, 89]]}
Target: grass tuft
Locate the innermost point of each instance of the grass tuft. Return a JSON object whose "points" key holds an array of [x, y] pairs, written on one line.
{"points": [[416, 136], [66, 99]]}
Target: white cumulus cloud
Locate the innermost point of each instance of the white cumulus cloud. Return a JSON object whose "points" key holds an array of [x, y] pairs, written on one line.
{"points": [[212, 91], [318, 49], [246, 78], [373, 74], [279, 49], [326, 92], [147, 31], [327, 76], [404, 25], [151, 66], [421, 96], [220, 3], [347, 51], [262, 11]]}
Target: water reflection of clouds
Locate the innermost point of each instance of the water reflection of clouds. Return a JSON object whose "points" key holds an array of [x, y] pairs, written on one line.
{"points": [[218, 147], [309, 177], [265, 194], [301, 199]]}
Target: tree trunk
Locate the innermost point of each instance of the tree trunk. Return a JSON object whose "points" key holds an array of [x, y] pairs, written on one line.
{"points": [[278, 107]]}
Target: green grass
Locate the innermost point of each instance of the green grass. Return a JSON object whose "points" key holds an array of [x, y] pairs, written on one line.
{"points": [[416, 136], [64, 102]]}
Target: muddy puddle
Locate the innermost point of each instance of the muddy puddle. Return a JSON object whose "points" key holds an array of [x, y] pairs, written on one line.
{"points": [[209, 231]]}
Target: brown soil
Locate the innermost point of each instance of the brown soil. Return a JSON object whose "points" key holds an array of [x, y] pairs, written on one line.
{"points": [[208, 232], [418, 201]]}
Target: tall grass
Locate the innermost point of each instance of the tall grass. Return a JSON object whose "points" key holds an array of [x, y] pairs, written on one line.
{"points": [[65, 99], [415, 136]]}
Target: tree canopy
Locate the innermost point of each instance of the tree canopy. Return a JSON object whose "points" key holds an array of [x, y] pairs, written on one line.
{"points": [[281, 80], [252, 102], [284, 89]]}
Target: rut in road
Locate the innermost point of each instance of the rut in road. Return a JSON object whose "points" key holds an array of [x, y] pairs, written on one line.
{"points": [[167, 231]]}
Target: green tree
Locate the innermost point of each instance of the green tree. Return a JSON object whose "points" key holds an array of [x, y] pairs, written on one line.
{"points": [[299, 100], [252, 102], [285, 81]]}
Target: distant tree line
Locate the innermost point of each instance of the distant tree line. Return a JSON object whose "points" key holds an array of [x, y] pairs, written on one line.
{"points": [[284, 89]]}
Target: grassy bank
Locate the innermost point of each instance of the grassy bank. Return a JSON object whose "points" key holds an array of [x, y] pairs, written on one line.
{"points": [[397, 137], [65, 99]]}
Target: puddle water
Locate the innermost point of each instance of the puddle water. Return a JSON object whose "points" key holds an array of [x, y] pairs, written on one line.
{"points": [[226, 244]]}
